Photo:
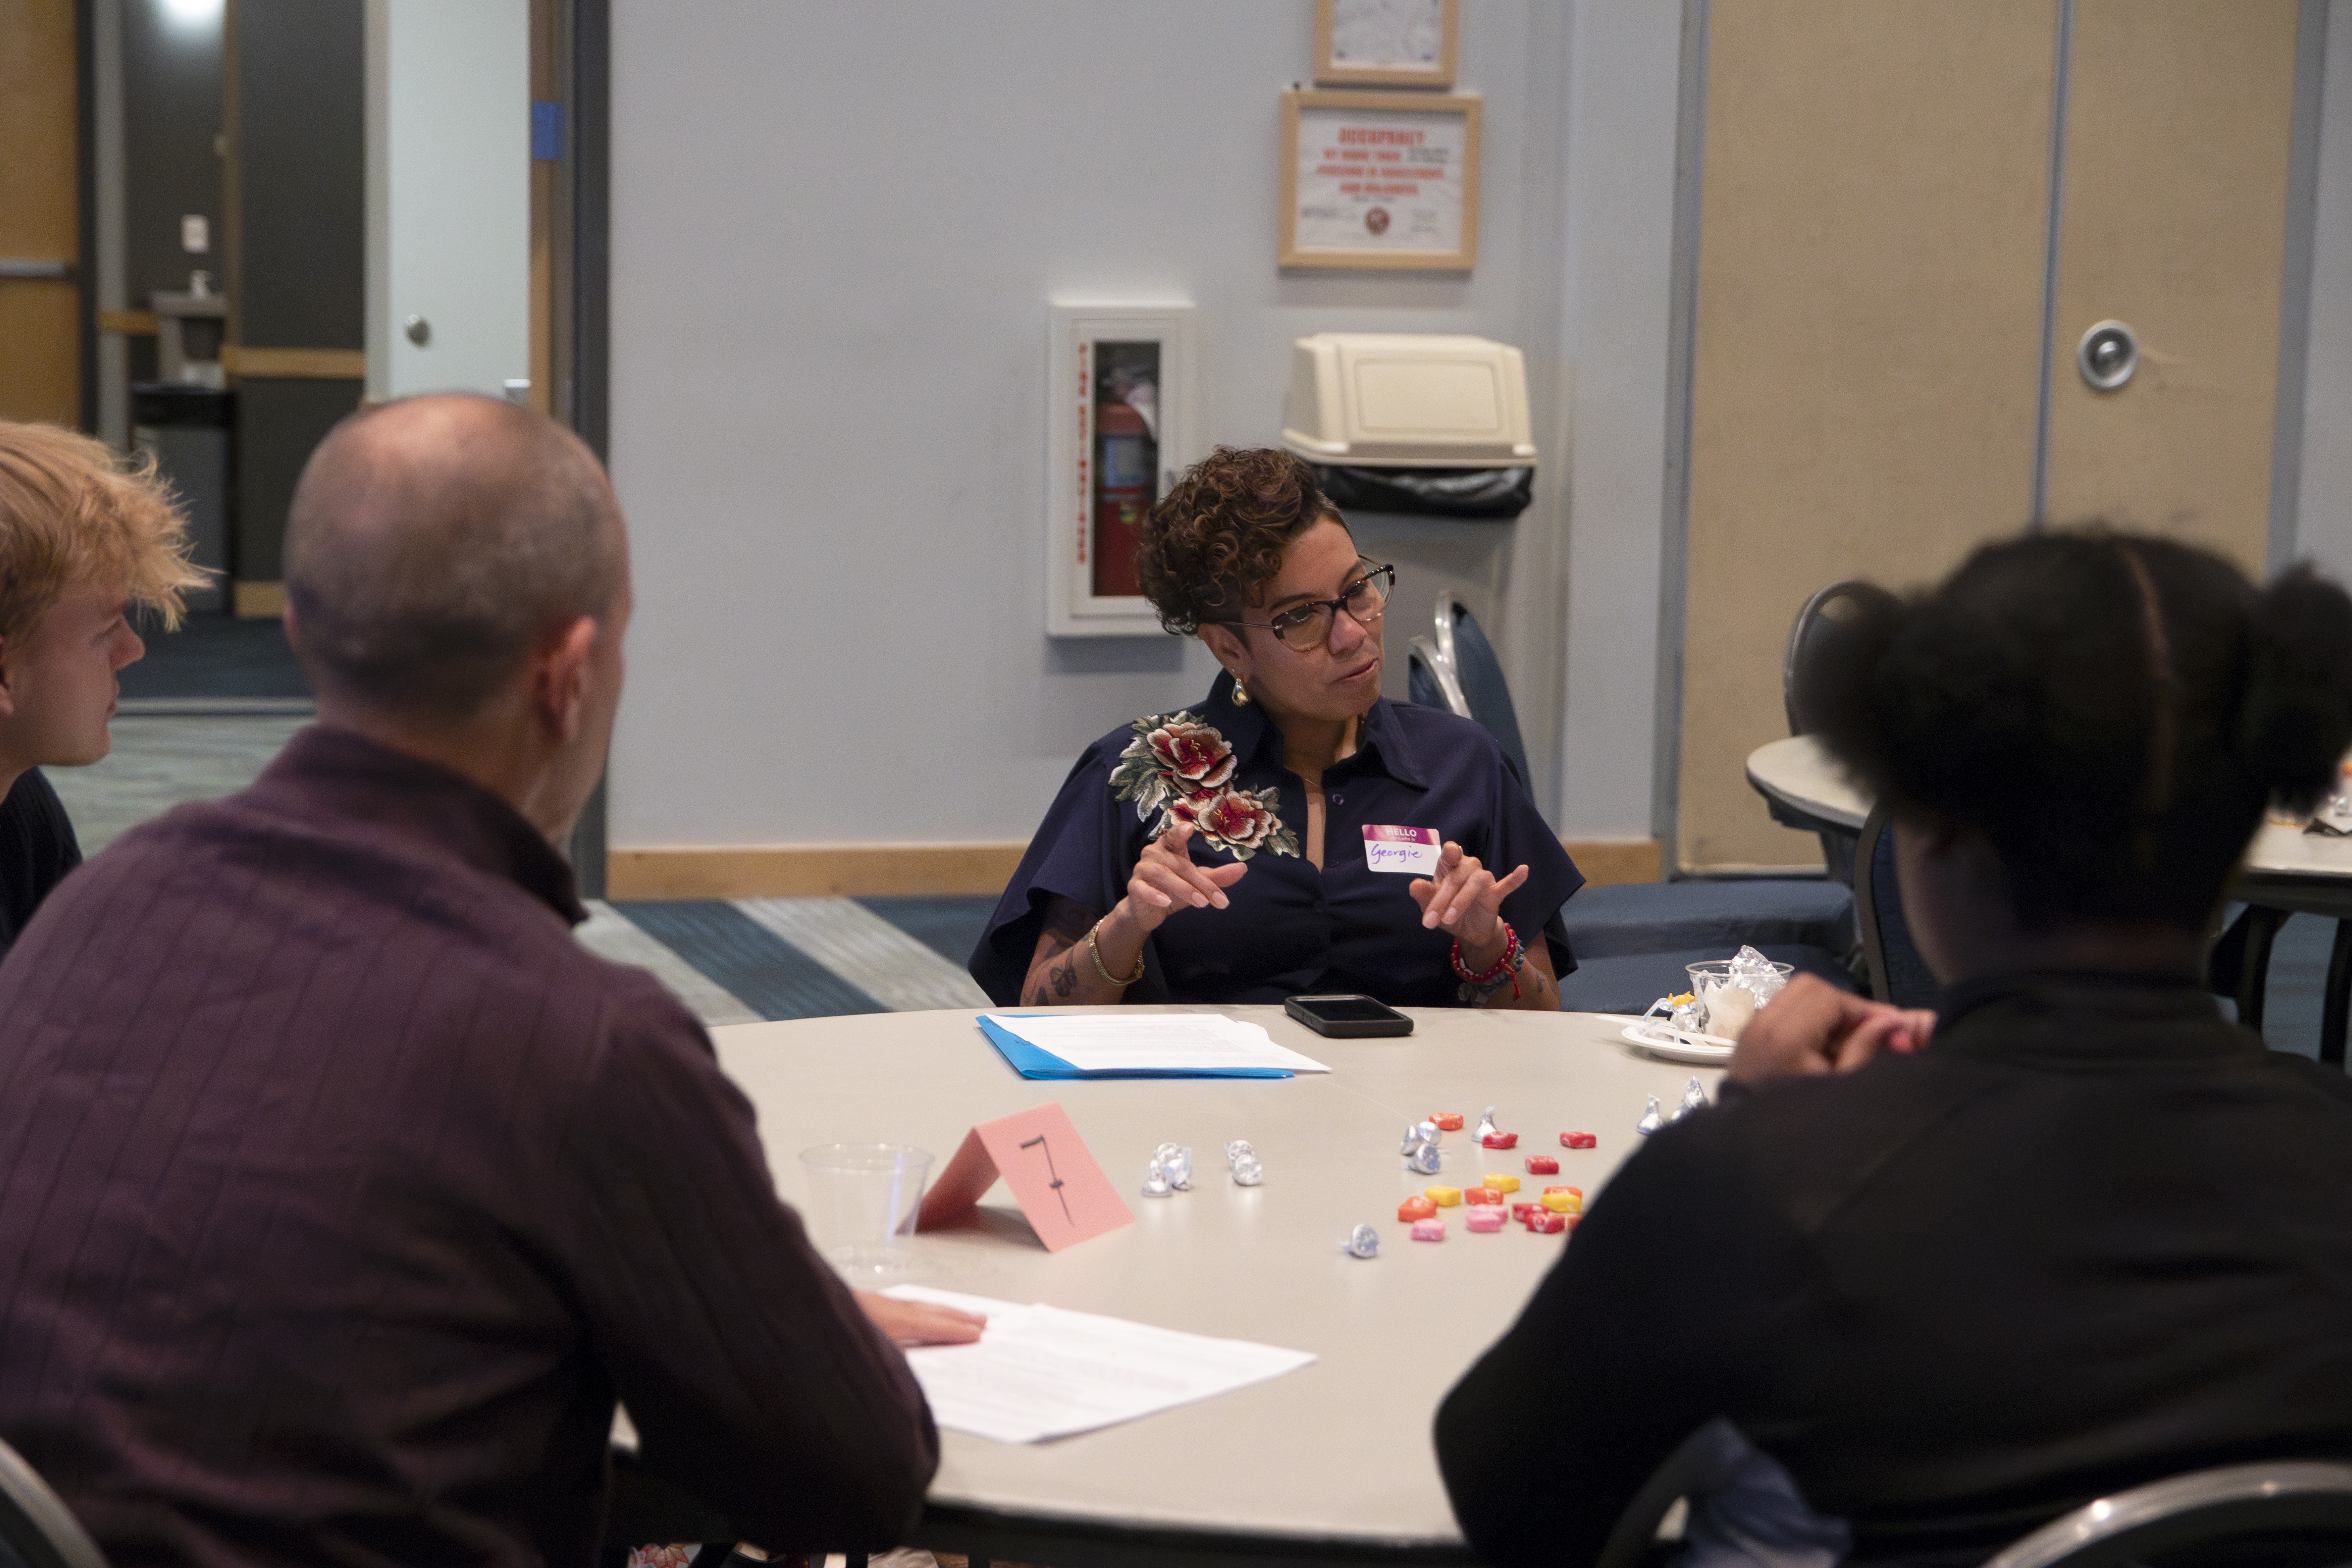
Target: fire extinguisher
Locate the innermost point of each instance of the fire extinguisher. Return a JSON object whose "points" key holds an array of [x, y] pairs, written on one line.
{"points": [[1125, 459]]}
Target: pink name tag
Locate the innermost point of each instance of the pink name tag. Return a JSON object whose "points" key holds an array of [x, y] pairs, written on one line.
{"points": [[1412, 850]]}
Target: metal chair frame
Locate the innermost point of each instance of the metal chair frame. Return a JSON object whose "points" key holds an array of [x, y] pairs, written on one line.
{"points": [[1441, 670], [1865, 903], [1814, 606], [34, 1521], [2200, 1508]]}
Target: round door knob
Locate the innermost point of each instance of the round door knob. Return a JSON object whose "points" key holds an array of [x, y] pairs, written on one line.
{"points": [[420, 331], [2108, 355]]}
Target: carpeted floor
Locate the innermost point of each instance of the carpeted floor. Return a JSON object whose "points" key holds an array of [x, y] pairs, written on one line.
{"points": [[214, 656]]}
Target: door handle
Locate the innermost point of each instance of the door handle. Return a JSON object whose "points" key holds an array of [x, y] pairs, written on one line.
{"points": [[2108, 355], [35, 266]]}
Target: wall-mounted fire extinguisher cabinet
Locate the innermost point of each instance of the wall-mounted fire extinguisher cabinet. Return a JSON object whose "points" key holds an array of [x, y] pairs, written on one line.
{"points": [[1121, 430]]}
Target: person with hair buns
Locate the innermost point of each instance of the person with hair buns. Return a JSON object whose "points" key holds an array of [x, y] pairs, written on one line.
{"points": [[1917, 1285], [84, 537], [347, 1192], [1259, 844]]}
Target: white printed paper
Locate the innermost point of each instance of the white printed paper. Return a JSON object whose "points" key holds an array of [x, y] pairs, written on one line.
{"points": [[1040, 1371], [1372, 179], [1154, 1042]]}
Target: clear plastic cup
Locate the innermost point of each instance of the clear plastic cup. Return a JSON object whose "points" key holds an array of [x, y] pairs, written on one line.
{"points": [[862, 1199], [1726, 1015]]}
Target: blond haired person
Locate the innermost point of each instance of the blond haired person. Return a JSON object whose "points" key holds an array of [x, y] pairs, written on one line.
{"points": [[83, 537]]}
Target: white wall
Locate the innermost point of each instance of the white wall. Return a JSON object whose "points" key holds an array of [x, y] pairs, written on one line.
{"points": [[1622, 95], [834, 232], [2323, 504], [448, 189]]}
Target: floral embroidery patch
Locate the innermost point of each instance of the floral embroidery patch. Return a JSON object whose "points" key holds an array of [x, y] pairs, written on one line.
{"points": [[1183, 769]]}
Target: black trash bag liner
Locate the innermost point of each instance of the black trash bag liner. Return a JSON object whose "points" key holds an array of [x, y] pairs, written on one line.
{"points": [[1429, 492]]}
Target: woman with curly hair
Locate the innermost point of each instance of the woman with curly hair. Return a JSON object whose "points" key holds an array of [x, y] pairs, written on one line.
{"points": [[1916, 1285], [1296, 832]]}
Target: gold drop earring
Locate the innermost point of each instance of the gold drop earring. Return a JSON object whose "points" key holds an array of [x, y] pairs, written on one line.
{"points": [[1241, 693]]}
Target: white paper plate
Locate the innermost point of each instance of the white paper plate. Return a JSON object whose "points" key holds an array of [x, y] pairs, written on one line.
{"points": [[1700, 1050]]}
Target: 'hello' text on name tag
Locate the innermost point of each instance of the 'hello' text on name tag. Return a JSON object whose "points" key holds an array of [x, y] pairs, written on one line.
{"points": [[1412, 850]]}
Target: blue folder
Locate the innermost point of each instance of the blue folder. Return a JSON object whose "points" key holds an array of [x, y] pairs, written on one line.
{"points": [[1030, 1061]]}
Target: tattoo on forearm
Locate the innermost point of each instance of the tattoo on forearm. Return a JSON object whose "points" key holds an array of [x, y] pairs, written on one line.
{"points": [[1067, 921], [1064, 977]]}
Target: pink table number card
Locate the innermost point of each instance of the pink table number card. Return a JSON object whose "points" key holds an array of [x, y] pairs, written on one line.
{"points": [[1062, 1192]]}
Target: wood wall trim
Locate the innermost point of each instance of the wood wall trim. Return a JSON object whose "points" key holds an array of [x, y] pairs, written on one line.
{"points": [[129, 324], [866, 870], [1608, 862], [258, 601], [294, 364], [810, 870]]}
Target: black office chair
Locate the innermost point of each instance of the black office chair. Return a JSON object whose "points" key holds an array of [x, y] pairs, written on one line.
{"points": [[36, 1529], [1897, 974], [1463, 655], [2283, 1514], [1827, 609]]}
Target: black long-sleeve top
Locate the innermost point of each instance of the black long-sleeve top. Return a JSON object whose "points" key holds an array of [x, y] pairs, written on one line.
{"points": [[38, 847], [2094, 1236], [341, 1192]]}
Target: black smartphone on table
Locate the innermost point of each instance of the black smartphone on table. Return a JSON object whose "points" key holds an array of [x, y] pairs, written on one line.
{"points": [[1348, 1017]]}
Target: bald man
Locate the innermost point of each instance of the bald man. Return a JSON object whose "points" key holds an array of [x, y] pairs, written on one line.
{"points": [[343, 1191]]}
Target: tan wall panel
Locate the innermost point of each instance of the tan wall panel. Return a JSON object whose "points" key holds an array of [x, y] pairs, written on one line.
{"points": [[1873, 230], [2178, 127], [41, 343], [40, 352], [38, 202]]}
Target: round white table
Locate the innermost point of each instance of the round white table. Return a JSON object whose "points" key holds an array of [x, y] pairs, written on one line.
{"points": [[1798, 778], [2286, 870], [1331, 1462]]}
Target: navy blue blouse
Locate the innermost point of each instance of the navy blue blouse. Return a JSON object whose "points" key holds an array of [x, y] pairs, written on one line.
{"points": [[1290, 929]]}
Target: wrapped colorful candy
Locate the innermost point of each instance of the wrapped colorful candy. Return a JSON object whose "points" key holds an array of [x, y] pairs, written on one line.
{"points": [[1522, 1211], [1564, 1202], [1481, 1195], [1651, 1119], [1544, 1222], [1443, 1197], [1361, 1242], [1415, 1208], [1490, 1136], [1448, 1121], [1429, 1230], [1578, 1141], [1484, 1220], [1503, 1183], [1542, 1165]]}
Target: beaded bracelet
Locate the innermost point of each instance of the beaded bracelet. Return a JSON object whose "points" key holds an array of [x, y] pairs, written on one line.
{"points": [[1478, 987]]}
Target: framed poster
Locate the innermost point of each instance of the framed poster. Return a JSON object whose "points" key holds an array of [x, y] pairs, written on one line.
{"points": [[1386, 43], [1119, 430], [1380, 179]]}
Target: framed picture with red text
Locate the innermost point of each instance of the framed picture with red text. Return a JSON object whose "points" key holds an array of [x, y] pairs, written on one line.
{"points": [[1121, 429], [1380, 180]]}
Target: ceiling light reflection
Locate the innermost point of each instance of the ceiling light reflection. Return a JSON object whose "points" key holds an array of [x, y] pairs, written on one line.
{"points": [[190, 13]]}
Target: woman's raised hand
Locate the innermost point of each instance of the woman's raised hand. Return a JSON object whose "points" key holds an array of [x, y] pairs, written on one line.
{"points": [[1464, 897], [1166, 880]]}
